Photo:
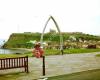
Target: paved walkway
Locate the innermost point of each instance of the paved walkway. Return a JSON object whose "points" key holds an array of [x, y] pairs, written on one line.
{"points": [[58, 65]]}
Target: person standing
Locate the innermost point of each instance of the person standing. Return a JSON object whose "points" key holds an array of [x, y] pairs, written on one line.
{"points": [[38, 51]]}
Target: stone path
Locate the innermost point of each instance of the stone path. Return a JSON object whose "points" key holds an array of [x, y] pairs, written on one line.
{"points": [[58, 65]]}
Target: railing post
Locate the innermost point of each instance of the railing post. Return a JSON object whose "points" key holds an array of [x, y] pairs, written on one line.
{"points": [[43, 65], [26, 64], [62, 52]]}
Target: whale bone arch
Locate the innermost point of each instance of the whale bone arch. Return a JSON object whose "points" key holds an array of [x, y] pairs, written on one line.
{"points": [[61, 38]]}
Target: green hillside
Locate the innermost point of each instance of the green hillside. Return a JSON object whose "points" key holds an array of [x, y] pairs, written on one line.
{"points": [[20, 40]]}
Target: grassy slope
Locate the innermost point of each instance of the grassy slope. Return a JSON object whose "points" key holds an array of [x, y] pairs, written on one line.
{"points": [[22, 40], [85, 75]]}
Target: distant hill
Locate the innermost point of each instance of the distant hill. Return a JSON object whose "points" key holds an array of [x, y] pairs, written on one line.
{"points": [[21, 40]]}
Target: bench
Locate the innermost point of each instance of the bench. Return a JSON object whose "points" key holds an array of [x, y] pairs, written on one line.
{"points": [[10, 63]]}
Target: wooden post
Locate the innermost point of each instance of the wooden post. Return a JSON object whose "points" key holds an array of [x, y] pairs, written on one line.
{"points": [[26, 64], [43, 65], [62, 52]]}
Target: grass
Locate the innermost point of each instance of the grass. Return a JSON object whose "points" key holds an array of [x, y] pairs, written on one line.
{"points": [[29, 54], [53, 52], [98, 55], [70, 51], [12, 76], [85, 75], [78, 51]]}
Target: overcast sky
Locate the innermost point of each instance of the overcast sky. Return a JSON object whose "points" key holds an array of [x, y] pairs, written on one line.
{"points": [[31, 15]]}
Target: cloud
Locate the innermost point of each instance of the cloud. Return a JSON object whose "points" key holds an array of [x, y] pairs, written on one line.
{"points": [[1, 20], [31, 15]]}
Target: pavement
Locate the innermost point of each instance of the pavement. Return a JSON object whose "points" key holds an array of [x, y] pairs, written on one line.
{"points": [[55, 65]]}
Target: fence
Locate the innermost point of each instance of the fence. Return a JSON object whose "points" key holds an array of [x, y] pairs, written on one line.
{"points": [[10, 63]]}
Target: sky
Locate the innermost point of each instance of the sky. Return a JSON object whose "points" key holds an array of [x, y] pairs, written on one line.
{"points": [[18, 16]]}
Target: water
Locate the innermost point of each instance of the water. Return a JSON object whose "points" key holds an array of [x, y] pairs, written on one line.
{"points": [[11, 51], [2, 41]]}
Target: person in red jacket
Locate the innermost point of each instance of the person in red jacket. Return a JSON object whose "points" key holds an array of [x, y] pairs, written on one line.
{"points": [[38, 51]]}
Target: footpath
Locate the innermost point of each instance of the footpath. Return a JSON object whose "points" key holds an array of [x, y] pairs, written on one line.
{"points": [[55, 65]]}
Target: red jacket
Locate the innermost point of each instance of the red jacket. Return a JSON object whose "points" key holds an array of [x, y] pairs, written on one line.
{"points": [[38, 52]]}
